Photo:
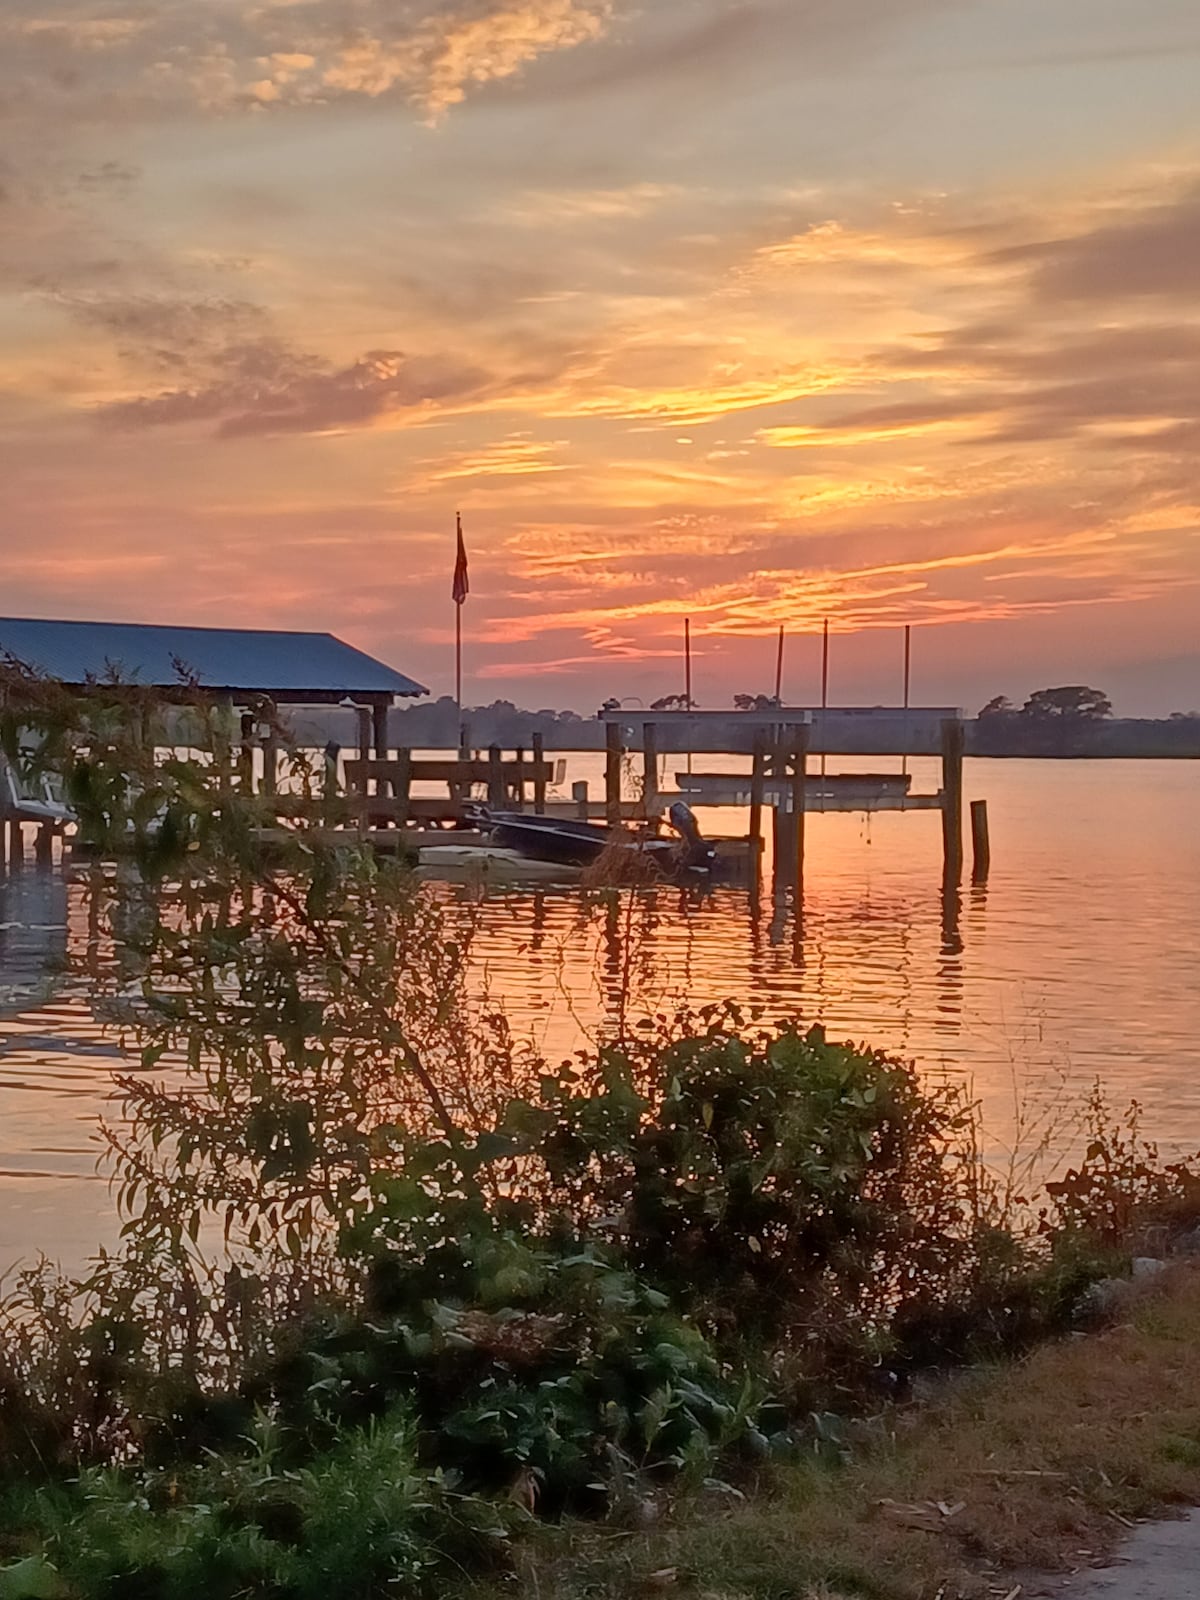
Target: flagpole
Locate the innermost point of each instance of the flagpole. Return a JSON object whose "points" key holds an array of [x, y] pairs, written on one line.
{"points": [[459, 591], [458, 663]]}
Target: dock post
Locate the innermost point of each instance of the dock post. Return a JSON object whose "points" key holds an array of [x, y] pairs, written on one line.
{"points": [[579, 793], [650, 803], [43, 845], [495, 778], [271, 758], [757, 789], [16, 844], [3, 844], [953, 741], [519, 777], [381, 741], [981, 845], [799, 810], [612, 772], [460, 789], [246, 754], [539, 775], [402, 787]]}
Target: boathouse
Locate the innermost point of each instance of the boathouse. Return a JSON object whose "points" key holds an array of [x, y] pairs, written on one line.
{"points": [[242, 665]]}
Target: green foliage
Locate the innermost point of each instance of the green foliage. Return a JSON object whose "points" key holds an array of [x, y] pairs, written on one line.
{"points": [[359, 1520]]}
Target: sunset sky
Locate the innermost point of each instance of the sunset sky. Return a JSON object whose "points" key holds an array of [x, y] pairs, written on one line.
{"points": [[753, 311]]}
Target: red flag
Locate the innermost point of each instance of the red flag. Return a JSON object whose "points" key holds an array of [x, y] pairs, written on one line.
{"points": [[461, 588]]}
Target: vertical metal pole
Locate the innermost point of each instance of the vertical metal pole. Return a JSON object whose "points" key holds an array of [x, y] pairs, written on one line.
{"points": [[687, 673], [907, 681], [458, 666], [779, 670], [824, 686]]}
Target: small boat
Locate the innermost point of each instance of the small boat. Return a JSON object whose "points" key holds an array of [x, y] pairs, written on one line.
{"points": [[572, 843]]}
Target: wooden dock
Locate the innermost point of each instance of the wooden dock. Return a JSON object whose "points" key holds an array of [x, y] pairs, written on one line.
{"points": [[781, 741]]}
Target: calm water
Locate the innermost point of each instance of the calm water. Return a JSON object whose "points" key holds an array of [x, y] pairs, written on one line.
{"points": [[1081, 958]]}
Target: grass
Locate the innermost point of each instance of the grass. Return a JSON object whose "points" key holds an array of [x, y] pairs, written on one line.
{"points": [[1040, 1465]]}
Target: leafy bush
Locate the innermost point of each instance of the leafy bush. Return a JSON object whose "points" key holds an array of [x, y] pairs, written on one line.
{"points": [[361, 1520]]}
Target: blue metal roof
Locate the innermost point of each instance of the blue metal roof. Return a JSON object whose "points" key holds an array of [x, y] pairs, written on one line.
{"points": [[256, 659]]}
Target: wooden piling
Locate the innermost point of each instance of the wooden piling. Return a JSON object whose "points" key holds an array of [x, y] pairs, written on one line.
{"points": [[519, 777], [16, 844], [495, 778], [981, 845], [953, 741], [650, 801], [43, 845], [402, 785], [579, 793], [612, 772], [757, 788], [381, 742], [271, 762], [246, 754], [539, 781], [799, 809]]}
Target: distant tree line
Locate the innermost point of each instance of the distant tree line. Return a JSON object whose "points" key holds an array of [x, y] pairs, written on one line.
{"points": [[1076, 720]]}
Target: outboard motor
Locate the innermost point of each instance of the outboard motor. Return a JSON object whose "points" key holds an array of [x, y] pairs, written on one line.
{"points": [[696, 852]]}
